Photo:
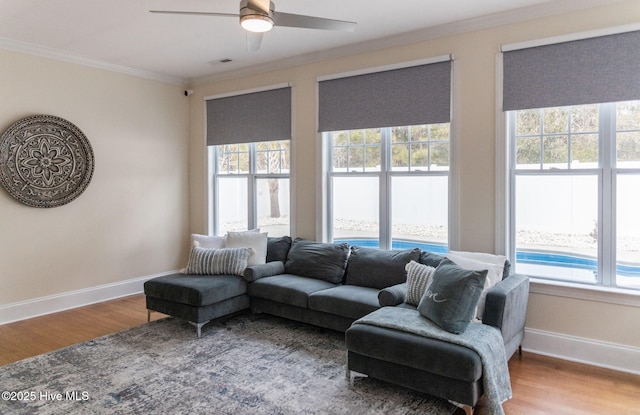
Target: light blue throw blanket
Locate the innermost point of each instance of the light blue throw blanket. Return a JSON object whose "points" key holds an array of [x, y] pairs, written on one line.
{"points": [[484, 339]]}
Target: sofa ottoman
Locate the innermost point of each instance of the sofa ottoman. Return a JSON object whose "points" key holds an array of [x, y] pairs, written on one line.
{"points": [[197, 299]]}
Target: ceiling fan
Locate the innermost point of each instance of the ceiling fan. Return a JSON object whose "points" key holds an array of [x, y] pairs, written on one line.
{"points": [[259, 16]]}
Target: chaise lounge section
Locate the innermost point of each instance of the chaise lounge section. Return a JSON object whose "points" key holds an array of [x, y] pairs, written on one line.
{"points": [[433, 366], [197, 299]]}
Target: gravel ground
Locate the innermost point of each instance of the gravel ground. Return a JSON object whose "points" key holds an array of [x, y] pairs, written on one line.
{"points": [[439, 233]]}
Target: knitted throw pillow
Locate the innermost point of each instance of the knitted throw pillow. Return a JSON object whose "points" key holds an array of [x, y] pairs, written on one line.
{"points": [[226, 261], [419, 277]]}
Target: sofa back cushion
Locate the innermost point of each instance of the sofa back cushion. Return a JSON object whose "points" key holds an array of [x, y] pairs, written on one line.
{"points": [[375, 268], [318, 260], [430, 259], [278, 248]]}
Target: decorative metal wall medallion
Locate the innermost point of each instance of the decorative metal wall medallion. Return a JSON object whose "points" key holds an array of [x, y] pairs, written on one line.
{"points": [[45, 161]]}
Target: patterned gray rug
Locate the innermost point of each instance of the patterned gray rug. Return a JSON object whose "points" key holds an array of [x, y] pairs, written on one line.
{"points": [[248, 364]]}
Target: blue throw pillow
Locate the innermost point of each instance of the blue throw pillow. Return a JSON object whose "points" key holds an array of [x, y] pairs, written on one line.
{"points": [[451, 299]]}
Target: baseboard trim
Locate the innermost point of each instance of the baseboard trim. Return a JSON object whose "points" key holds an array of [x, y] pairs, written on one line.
{"points": [[23, 310], [607, 355], [576, 349]]}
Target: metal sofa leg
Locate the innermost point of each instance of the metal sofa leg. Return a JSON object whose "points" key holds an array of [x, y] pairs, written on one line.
{"points": [[352, 375], [347, 372], [468, 410], [199, 327]]}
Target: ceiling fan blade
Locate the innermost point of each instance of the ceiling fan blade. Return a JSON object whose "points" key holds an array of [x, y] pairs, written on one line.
{"points": [[254, 40], [195, 13], [310, 22]]}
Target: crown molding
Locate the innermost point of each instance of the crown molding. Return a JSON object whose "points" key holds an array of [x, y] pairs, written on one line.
{"points": [[30, 49], [550, 8]]}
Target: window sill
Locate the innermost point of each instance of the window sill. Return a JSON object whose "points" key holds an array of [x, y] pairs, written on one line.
{"points": [[609, 295]]}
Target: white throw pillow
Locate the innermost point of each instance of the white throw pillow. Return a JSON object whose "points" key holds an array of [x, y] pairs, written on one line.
{"points": [[250, 239], [494, 273], [207, 242], [484, 257]]}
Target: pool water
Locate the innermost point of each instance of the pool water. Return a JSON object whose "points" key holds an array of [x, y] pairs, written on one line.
{"points": [[544, 258]]}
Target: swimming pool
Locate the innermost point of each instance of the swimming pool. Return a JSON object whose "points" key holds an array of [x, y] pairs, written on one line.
{"points": [[544, 258]]}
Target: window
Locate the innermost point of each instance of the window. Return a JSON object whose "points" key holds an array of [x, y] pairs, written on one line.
{"points": [[573, 122], [249, 161], [251, 187], [389, 186], [575, 175], [387, 132]]}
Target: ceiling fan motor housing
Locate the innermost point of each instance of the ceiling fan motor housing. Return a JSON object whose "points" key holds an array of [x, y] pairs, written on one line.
{"points": [[257, 10]]}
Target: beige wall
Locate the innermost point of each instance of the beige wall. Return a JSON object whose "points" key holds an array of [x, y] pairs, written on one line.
{"points": [[475, 109], [132, 220]]}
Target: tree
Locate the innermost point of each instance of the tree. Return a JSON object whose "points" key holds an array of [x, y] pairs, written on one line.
{"points": [[273, 157]]}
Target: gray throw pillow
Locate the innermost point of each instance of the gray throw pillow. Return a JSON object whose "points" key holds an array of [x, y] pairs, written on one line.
{"points": [[317, 260], [451, 299], [375, 268]]}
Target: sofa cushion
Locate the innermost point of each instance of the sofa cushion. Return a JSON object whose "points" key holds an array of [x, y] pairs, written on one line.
{"points": [[375, 268], [223, 261], [345, 300], [419, 276], [317, 260], [287, 288], [195, 290], [269, 269], [407, 349], [392, 296], [429, 258], [278, 248], [451, 299]]}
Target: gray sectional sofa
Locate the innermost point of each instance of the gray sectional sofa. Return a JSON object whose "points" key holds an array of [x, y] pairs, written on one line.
{"points": [[333, 286]]}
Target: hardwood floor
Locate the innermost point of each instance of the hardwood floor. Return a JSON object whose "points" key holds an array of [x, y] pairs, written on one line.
{"points": [[541, 385], [39, 335]]}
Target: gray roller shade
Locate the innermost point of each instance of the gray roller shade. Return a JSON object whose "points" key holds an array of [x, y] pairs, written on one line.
{"points": [[408, 96], [586, 71], [248, 118]]}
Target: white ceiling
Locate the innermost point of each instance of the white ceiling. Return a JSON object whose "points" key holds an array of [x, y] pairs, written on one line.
{"points": [[123, 34]]}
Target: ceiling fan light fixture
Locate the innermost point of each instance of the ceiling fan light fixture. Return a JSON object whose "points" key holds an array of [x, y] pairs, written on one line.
{"points": [[256, 23]]}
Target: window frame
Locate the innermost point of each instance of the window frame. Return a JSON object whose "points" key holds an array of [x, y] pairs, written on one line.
{"points": [[606, 172], [252, 177], [385, 177]]}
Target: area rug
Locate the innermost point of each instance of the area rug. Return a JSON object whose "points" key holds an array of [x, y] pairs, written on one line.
{"points": [[247, 364]]}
